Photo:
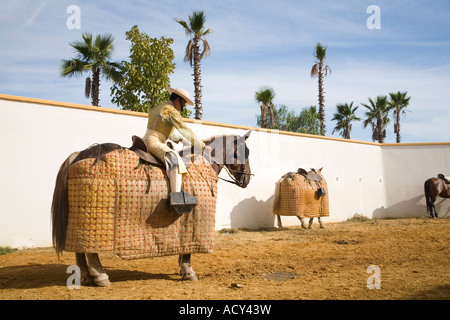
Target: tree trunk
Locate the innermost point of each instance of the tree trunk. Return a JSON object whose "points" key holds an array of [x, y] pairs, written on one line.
{"points": [[263, 115], [397, 127], [197, 80], [347, 131], [321, 101], [95, 91], [271, 115], [380, 130]]}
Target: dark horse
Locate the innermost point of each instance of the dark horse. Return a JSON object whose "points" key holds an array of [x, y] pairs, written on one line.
{"points": [[227, 151], [435, 187]]}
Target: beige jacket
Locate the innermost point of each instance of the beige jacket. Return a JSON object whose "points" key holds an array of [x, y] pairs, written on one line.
{"points": [[162, 121]]}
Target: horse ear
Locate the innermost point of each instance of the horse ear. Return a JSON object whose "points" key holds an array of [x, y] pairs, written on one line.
{"points": [[247, 135], [320, 170]]}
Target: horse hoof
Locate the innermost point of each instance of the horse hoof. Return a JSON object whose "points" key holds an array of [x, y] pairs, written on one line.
{"points": [[190, 277], [102, 280], [304, 227], [322, 227]]}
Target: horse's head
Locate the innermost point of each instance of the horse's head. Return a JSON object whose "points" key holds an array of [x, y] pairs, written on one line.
{"points": [[231, 152], [236, 160]]}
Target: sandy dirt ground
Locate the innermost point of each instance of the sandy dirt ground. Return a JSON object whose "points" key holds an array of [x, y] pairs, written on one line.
{"points": [[289, 264]]}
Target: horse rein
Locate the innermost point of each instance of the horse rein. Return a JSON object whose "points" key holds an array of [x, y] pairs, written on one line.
{"points": [[233, 180]]}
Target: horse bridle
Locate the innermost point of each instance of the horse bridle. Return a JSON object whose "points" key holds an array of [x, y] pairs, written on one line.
{"points": [[233, 180]]}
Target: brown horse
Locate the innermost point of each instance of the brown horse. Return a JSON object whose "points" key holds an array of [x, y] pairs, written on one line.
{"points": [[227, 151], [435, 187]]}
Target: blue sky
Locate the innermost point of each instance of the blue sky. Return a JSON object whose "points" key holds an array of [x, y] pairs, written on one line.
{"points": [[253, 44]]}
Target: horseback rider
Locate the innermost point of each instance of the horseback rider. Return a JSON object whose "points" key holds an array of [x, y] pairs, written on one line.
{"points": [[162, 122]]}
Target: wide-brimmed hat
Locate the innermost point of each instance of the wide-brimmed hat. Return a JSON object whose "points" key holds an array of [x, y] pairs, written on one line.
{"points": [[182, 93]]}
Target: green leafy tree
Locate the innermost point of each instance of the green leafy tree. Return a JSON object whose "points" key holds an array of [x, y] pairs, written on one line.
{"points": [[344, 116], [92, 56], [320, 70], [377, 115], [398, 102], [307, 121], [146, 75], [196, 30], [265, 97]]}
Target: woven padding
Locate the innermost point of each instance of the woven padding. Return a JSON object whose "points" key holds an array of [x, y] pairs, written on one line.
{"points": [[298, 198], [110, 209]]}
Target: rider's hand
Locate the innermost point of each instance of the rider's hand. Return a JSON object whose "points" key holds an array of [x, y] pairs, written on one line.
{"points": [[185, 142]]}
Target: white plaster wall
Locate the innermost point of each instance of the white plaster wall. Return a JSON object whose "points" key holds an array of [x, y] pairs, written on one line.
{"points": [[406, 168], [37, 137]]}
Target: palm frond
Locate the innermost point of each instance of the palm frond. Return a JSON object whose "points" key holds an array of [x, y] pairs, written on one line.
{"points": [[189, 53], [320, 52], [103, 46], [87, 88], [72, 68], [315, 70], [197, 22], [113, 71], [206, 49], [265, 95], [206, 32], [185, 25]]}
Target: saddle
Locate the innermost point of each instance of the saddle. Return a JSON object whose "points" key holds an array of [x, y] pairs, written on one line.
{"points": [[309, 177], [441, 176], [140, 148]]}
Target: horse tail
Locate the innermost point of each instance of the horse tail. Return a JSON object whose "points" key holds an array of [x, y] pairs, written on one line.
{"points": [[276, 197], [60, 205], [427, 195]]}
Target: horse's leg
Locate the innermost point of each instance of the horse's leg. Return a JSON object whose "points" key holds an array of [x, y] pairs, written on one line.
{"points": [[310, 225], [302, 222], [86, 278], [321, 224], [280, 226], [96, 270], [184, 261], [435, 212]]}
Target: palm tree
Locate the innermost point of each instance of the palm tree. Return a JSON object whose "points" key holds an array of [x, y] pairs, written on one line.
{"points": [[398, 102], [92, 57], [195, 29], [377, 116], [344, 116], [265, 98], [320, 70]]}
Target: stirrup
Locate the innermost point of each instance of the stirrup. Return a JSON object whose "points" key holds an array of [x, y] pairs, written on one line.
{"points": [[182, 202]]}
